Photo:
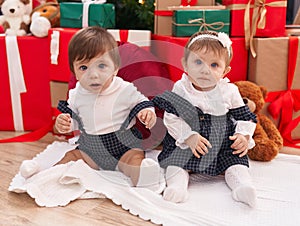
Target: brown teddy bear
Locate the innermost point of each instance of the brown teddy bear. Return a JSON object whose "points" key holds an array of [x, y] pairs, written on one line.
{"points": [[268, 140]]}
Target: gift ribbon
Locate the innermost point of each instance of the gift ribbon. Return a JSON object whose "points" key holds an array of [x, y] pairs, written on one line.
{"points": [[188, 2], [54, 47], [285, 102], [85, 11], [16, 80], [205, 26], [170, 12], [163, 13], [123, 35], [258, 18]]}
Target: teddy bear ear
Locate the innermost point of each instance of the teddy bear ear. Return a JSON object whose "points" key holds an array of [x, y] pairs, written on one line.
{"points": [[263, 91]]}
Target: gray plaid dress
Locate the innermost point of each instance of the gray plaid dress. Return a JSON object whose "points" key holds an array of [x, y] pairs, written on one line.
{"points": [[216, 129], [107, 149]]}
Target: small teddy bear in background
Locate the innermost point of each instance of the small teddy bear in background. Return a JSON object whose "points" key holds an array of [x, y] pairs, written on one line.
{"points": [[14, 20]]}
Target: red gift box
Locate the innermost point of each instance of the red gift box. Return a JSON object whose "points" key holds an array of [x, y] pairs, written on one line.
{"points": [[59, 63], [34, 109], [170, 50], [267, 17]]}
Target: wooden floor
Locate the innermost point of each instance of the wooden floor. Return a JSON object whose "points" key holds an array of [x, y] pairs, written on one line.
{"points": [[20, 209]]}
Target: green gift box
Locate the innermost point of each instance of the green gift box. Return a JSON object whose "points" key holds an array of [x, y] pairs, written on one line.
{"points": [[187, 22], [102, 15]]}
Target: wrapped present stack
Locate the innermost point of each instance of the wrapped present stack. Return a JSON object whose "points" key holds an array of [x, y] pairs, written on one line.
{"points": [[274, 60]]}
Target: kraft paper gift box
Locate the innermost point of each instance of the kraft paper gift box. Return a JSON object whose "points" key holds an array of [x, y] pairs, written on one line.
{"points": [[59, 91], [277, 67], [24, 93], [187, 22], [58, 41], [163, 15], [170, 49], [266, 18], [72, 15]]}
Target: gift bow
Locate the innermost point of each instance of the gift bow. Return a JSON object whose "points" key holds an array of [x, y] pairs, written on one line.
{"points": [[188, 2], [205, 26], [85, 11], [285, 102], [258, 18]]}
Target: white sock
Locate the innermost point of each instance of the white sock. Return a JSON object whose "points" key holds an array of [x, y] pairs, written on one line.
{"points": [[29, 168], [177, 184], [151, 176], [238, 179]]}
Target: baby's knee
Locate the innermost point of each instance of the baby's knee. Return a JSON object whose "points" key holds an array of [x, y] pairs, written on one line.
{"points": [[133, 157]]}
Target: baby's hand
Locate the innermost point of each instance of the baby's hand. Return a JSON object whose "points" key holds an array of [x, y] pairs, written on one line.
{"points": [[198, 144], [147, 117], [63, 123], [240, 144]]}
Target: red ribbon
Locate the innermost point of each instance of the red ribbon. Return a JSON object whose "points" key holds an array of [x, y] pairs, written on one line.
{"points": [[163, 13], [283, 103], [188, 2], [123, 35]]}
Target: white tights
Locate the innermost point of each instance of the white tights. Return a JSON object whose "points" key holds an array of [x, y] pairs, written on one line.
{"points": [[238, 179], [177, 184]]}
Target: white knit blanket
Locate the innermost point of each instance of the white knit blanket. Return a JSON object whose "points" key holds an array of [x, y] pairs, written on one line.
{"points": [[210, 202]]}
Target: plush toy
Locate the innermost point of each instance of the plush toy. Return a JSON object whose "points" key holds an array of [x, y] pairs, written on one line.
{"points": [[43, 17], [14, 20], [268, 140]]}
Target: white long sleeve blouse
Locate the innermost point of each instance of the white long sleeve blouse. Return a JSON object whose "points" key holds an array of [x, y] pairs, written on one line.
{"points": [[215, 102], [105, 112]]}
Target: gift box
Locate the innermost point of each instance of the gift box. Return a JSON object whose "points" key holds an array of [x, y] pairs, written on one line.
{"points": [[170, 51], [262, 18], [186, 22], [140, 38], [163, 15], [58, 40], [25, 91], [78, 15], [277, 67], [59, 91]]}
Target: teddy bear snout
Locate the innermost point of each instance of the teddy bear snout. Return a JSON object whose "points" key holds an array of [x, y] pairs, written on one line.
{"points": [[12, 10]]}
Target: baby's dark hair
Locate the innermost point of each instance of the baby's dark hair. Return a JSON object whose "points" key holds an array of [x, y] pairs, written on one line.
{"points": [[208, 44], [90, 42]]}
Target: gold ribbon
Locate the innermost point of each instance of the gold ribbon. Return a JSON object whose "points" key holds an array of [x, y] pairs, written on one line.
{"points": [[205, 26], [258, 18]]}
